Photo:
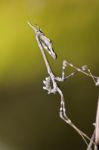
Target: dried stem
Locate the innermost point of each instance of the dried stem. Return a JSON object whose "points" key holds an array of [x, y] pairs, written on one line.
{"points": [[91, 141], [97, 128]]}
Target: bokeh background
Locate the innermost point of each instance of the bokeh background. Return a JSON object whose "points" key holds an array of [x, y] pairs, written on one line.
{"points": [[29, 118]]}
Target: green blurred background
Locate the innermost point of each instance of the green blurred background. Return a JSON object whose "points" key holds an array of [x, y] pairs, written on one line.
{"points": [[29, 118]]}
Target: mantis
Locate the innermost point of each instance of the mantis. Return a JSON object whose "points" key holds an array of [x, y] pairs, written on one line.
{"points": [[51, 82]]}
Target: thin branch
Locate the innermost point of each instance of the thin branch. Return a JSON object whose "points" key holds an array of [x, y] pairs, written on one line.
{"points": [[91, 141], [97, 128]]}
